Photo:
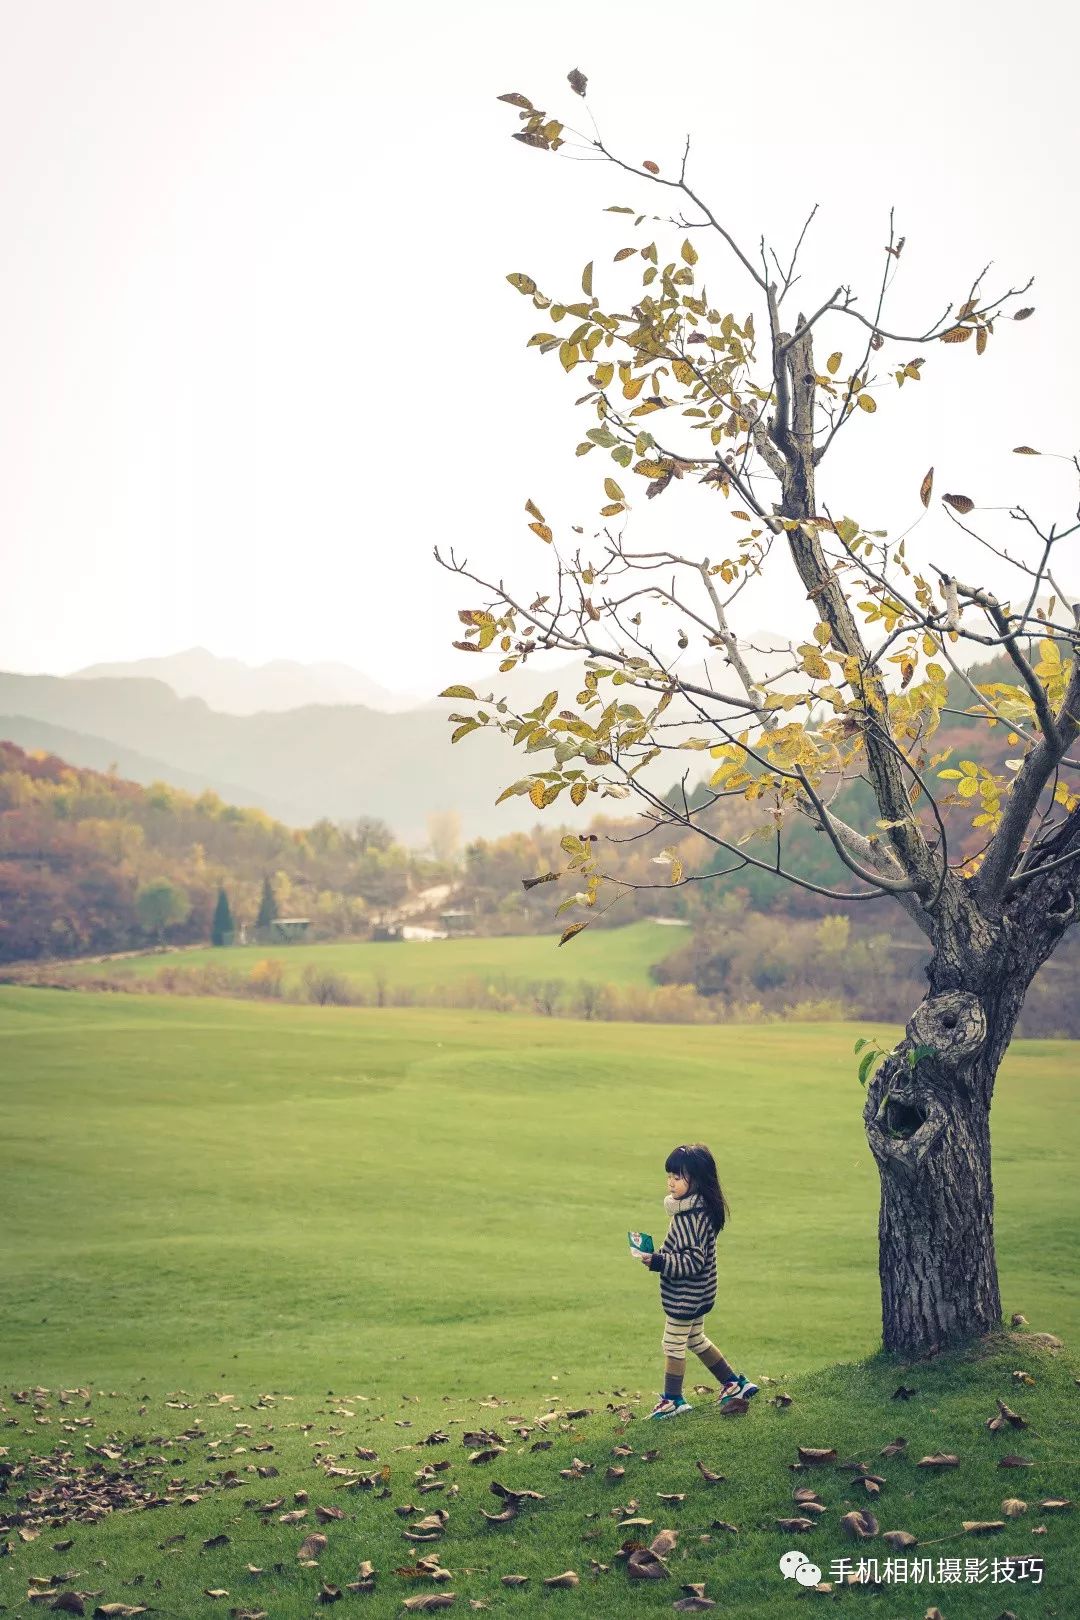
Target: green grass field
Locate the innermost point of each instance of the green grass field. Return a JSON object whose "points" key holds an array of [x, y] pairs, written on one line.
{"points": [[609, 956], [426, 1209]]}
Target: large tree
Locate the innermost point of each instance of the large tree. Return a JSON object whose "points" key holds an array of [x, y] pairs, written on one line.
{"points": [[768, 391]]}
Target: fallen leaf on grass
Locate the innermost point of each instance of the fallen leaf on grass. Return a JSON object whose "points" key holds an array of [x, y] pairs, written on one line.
{"points": [[1012, 1460], [425, 1601], [312, 1546], [613, 1475], [489, 1454], [735, 1407], [817, 1457], [1013, 1507], [940, 1459], [672, 1497], [859, 1526], [513, 1496], [794, 1526], [708, 1476], [1055, 1505], [329, 1594], [1006, 1415], [515, 1580], [781, 1400], [567, 1578], [217, 1541], [899, 1540], [903, 1393], [982, 1527], [695, 1604], [428, 1569], [894, 1447], [215, 1591], [325, 1514], [643, 1565]]}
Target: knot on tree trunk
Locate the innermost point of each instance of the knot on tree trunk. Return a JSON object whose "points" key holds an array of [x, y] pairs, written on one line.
{"points": [[910, 1102], [953, 1023]]}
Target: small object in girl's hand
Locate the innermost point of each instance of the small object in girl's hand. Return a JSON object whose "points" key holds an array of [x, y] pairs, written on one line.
{"points": [[641, 1243]]}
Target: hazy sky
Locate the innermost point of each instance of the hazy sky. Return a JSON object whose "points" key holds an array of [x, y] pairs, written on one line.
{"points": [[258, 349]]}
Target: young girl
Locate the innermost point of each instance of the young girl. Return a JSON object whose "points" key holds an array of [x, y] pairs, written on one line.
{"points": [[686, 1261]]}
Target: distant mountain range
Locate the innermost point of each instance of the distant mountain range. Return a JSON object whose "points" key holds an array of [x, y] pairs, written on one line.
{"points": [[301, 761], [233, 687]]}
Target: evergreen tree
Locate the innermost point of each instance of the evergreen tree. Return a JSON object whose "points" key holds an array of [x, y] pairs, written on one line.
{"points": [[267, 905], [222, 925]]}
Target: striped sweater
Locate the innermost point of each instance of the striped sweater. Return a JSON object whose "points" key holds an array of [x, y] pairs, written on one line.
{"points": [[686, 1260]]}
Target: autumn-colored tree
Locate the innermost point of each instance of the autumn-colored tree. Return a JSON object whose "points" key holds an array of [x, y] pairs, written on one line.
{"points": [[767, 388]]}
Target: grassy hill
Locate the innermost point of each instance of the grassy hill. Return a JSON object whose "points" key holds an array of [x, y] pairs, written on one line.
{"points": [[610, 956], [221, 1469], [328, 1231]]}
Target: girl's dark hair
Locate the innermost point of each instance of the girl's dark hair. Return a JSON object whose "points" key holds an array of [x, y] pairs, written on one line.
{"points": [[694, 1161]]}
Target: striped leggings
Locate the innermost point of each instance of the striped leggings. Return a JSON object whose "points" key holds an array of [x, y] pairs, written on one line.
{"points": [[679, 1337]]}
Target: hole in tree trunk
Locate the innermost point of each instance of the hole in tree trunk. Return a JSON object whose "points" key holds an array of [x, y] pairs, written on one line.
{"points": [[903, 1119]]}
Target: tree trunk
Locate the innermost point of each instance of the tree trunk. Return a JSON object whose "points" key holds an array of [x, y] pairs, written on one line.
{"points": [[927, 1120]]}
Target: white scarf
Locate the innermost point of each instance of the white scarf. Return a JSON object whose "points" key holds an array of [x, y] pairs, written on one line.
{"points": [[676, 1206]]}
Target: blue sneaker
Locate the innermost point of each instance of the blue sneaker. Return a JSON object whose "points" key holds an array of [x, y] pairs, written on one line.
{"points": [[739, 1386], [668, 1406]]}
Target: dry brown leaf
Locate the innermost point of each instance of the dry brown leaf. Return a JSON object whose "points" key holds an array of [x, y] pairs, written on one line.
{"points": [[960, 503], [899, 1540], [925, 487], [568, 1577], [515, 1580], [664, 1543], [423, 1602], [312, 1546], [982, 1527], [817, 1457], [1013, 1507], [940, 1459], [644, 1565], [859, 1526], [894, 1447], [795, 1525], [1012, 1460], [1055, 1505], [708, 1476]]}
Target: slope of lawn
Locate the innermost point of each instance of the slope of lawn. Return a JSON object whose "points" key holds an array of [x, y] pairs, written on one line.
{"points": [[608, 956], [236, 1500]]}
